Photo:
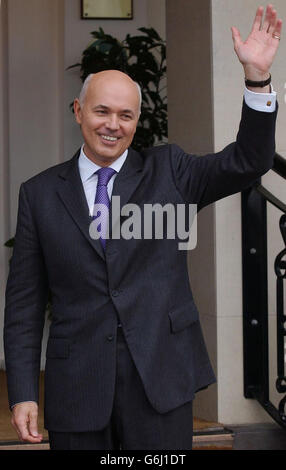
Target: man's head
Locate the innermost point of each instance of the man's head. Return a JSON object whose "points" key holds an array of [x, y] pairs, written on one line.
{"points": [[108, 110]]}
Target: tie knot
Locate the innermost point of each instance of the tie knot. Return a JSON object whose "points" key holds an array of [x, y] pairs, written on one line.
{"points": [[104, 175]]}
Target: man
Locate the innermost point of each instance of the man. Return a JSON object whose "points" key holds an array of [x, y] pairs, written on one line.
{"points": [[125, 354]]}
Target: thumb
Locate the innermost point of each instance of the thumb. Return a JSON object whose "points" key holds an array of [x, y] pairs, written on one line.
{"points": [[33, 423], [236, 37]]}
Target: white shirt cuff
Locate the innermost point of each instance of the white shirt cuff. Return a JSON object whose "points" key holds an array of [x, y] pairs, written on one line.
{"points": [[261, 101]]}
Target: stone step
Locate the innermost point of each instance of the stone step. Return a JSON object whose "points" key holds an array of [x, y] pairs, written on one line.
{"points": [[12, 445], [213, 442], [201, 441], [211, 436]]}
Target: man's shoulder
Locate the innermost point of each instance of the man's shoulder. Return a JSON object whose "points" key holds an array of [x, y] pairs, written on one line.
{"points": [[161, 153], [159, 150]]}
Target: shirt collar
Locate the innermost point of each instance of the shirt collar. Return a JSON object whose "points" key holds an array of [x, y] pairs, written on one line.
{"points": [[87, 167]]}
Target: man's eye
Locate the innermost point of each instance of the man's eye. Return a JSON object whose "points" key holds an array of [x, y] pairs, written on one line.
{"points": [[101, 111], [126, 116]]}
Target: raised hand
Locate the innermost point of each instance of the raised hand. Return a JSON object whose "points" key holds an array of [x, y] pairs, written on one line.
{"points": [[258, 51]]}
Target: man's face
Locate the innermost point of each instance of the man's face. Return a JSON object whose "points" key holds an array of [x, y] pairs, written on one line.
{"points": [[108, 117]]}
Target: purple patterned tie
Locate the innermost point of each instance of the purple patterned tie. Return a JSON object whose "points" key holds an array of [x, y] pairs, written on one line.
{"points": [[104, 175]]}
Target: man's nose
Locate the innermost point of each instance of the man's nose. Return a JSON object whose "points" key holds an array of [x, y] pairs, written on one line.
{"points": [[113, 122]]}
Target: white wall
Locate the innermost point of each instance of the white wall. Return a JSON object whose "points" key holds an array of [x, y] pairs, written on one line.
{"points": [[33, 90], [31, 112]]}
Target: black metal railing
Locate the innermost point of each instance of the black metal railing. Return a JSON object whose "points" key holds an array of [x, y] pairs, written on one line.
{"points": [[256, 338]]}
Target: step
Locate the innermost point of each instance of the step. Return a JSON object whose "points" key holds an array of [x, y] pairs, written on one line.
{"points": [[211, 436], [222, 441], [12, 445], [212, 440]]}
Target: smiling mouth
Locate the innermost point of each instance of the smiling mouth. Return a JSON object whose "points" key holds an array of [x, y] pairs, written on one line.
{"points": [[109, 138]]}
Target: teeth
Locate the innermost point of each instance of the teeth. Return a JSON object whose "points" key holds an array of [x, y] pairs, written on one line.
{"points": [[108, 137]]}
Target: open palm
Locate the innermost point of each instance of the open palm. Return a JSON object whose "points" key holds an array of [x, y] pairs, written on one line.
{"points": [[259, 49]]}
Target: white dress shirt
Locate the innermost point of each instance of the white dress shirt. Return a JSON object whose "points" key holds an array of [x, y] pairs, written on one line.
{"points": [[87, 169]]}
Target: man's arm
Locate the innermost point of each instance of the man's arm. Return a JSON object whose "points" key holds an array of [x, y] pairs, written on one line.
{"points": [[203, 180], [26, 298]]}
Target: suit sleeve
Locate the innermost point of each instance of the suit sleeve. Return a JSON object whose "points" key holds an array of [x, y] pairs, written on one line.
{"points": [[26, 298], [202, 180]]}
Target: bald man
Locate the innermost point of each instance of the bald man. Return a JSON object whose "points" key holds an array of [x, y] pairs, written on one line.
{"points": [[125, 353], [113, 94]]}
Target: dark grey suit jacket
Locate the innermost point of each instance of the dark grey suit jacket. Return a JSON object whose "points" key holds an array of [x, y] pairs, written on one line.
{"points": [[144, 283]]}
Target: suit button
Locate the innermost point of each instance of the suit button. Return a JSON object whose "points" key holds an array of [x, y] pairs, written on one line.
{"points": [[110, 337], [114, 293]]}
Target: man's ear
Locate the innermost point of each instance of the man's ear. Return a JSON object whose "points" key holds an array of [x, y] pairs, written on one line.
{"points": [[77, 110]]}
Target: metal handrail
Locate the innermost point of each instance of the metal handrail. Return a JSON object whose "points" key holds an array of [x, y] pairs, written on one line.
{"points": [[279, 165], [255, 296], [271, 198]]}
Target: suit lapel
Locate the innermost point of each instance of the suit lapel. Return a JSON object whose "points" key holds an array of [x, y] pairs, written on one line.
{"points": [[128, 177], [71, 192], [126, 182]]}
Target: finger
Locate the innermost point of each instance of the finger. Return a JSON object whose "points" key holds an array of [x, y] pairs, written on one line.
{"points": [[278, 27], [273, 21], [276, 34], [21, 427], [25, 434], [33, 424], [267, 18], [237, 41], [258, 19], [16, 429]]}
